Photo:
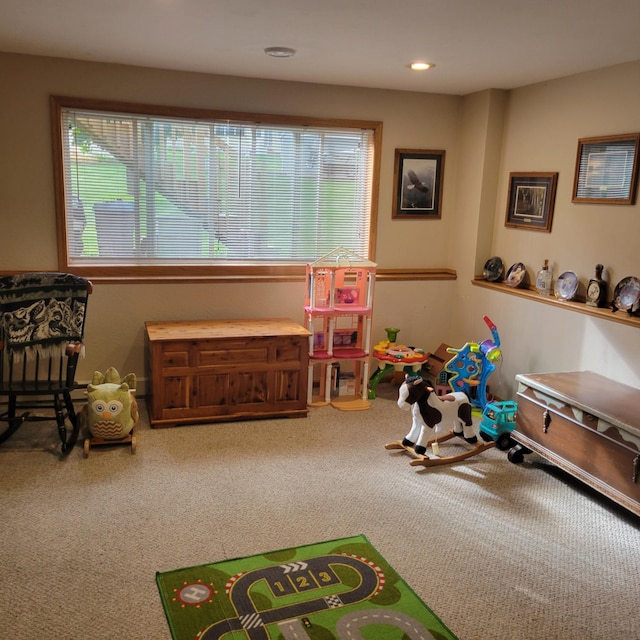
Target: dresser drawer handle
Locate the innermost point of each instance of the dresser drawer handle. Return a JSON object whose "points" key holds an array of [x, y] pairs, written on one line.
{"points": [[546, 421], [636, 469]]}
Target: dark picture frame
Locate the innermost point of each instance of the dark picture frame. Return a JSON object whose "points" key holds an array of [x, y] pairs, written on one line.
{"points": [[531, 200], [607, 170], [417, 178]]}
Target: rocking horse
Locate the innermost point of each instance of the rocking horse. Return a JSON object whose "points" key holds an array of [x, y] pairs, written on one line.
{"points": [[429, 412]]}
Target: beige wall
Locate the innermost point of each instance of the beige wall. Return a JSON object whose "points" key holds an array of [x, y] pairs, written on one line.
{"points": [[115, 324], [542, 125], [486, 136]]}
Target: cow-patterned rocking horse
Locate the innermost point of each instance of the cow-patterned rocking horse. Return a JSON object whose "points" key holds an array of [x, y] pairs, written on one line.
{"points": [[429, 412]]}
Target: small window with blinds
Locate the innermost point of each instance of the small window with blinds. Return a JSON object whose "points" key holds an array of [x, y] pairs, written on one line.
{"points": [[158, 190], [607, 170]]}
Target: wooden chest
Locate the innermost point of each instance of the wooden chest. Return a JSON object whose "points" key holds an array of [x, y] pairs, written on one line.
{"points": [[218, 370], [587, 425]]}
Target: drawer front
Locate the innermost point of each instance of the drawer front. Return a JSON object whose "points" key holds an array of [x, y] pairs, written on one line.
{"points": [[249, 352], [218, 355], [174, 355], [599, 457], [293, 349]]}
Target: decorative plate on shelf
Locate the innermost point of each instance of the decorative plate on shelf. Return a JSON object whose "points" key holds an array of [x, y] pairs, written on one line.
{"points": [[515, 275], [626, 297], [566, 286], [493, 269]]}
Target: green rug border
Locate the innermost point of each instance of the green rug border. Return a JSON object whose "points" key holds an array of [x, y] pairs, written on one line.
{"points": [[443, 633]]}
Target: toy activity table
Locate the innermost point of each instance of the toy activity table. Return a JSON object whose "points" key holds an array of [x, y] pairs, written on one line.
{"points": [[395, 358]]}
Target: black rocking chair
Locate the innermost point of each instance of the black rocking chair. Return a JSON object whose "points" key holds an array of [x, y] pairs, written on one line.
{"points": [[42, 319]]}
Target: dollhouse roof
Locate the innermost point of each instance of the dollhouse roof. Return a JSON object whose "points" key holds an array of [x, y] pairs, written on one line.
{"points": [[343, 258]]}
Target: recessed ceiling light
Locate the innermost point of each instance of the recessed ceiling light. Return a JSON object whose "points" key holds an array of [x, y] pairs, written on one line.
{"points": [[280, 52], [421, 66]]}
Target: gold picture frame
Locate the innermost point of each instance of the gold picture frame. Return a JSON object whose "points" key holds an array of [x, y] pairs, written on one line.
{"points": [[607, 170]]}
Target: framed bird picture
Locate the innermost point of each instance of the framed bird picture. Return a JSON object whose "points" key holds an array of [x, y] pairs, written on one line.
{"points": [[418, 177]]}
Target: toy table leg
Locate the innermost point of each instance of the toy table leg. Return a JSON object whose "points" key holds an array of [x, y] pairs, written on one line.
{"points": [[412, 368], [376, 376]]}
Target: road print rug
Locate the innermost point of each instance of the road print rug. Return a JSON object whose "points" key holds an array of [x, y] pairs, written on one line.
{"points": [[334, 590]]}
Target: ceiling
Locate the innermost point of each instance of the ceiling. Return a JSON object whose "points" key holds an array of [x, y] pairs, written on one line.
{"points": [[475, 44]]}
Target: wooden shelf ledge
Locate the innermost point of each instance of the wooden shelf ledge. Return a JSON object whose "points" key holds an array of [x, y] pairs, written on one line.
{"points": [[416, 274], [604, 313]]}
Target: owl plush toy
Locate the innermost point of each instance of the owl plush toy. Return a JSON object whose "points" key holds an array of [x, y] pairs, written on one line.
{"points": [[112, 410]]}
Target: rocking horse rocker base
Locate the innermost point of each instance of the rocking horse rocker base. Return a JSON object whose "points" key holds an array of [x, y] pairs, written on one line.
{"points": [[423, 460]]}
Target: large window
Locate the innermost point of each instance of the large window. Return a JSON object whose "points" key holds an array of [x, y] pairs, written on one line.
{"points": [[144, 190]]}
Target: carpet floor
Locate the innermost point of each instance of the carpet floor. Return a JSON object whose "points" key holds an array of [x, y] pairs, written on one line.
{"points": [[497, 550]]}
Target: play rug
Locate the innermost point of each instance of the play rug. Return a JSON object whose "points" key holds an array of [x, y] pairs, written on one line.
{"points": [[331, 590]]}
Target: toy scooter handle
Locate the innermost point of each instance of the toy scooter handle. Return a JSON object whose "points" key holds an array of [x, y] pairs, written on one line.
{"points": [[493, 329]]}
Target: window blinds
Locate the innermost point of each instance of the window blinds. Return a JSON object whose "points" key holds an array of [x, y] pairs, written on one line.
{"points": [[142, 189]]}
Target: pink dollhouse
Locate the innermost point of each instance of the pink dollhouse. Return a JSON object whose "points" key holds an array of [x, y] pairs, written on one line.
{"points": [[338, 310]]}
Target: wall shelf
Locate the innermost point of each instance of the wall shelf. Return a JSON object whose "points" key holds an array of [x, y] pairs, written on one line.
{"points": [[604, 313]]}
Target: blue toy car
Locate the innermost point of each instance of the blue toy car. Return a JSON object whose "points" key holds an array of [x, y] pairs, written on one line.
{"points": [[497, 423]]}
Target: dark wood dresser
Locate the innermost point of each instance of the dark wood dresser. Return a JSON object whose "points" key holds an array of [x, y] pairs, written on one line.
{"points": [[218, 370], [587, 425]]}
